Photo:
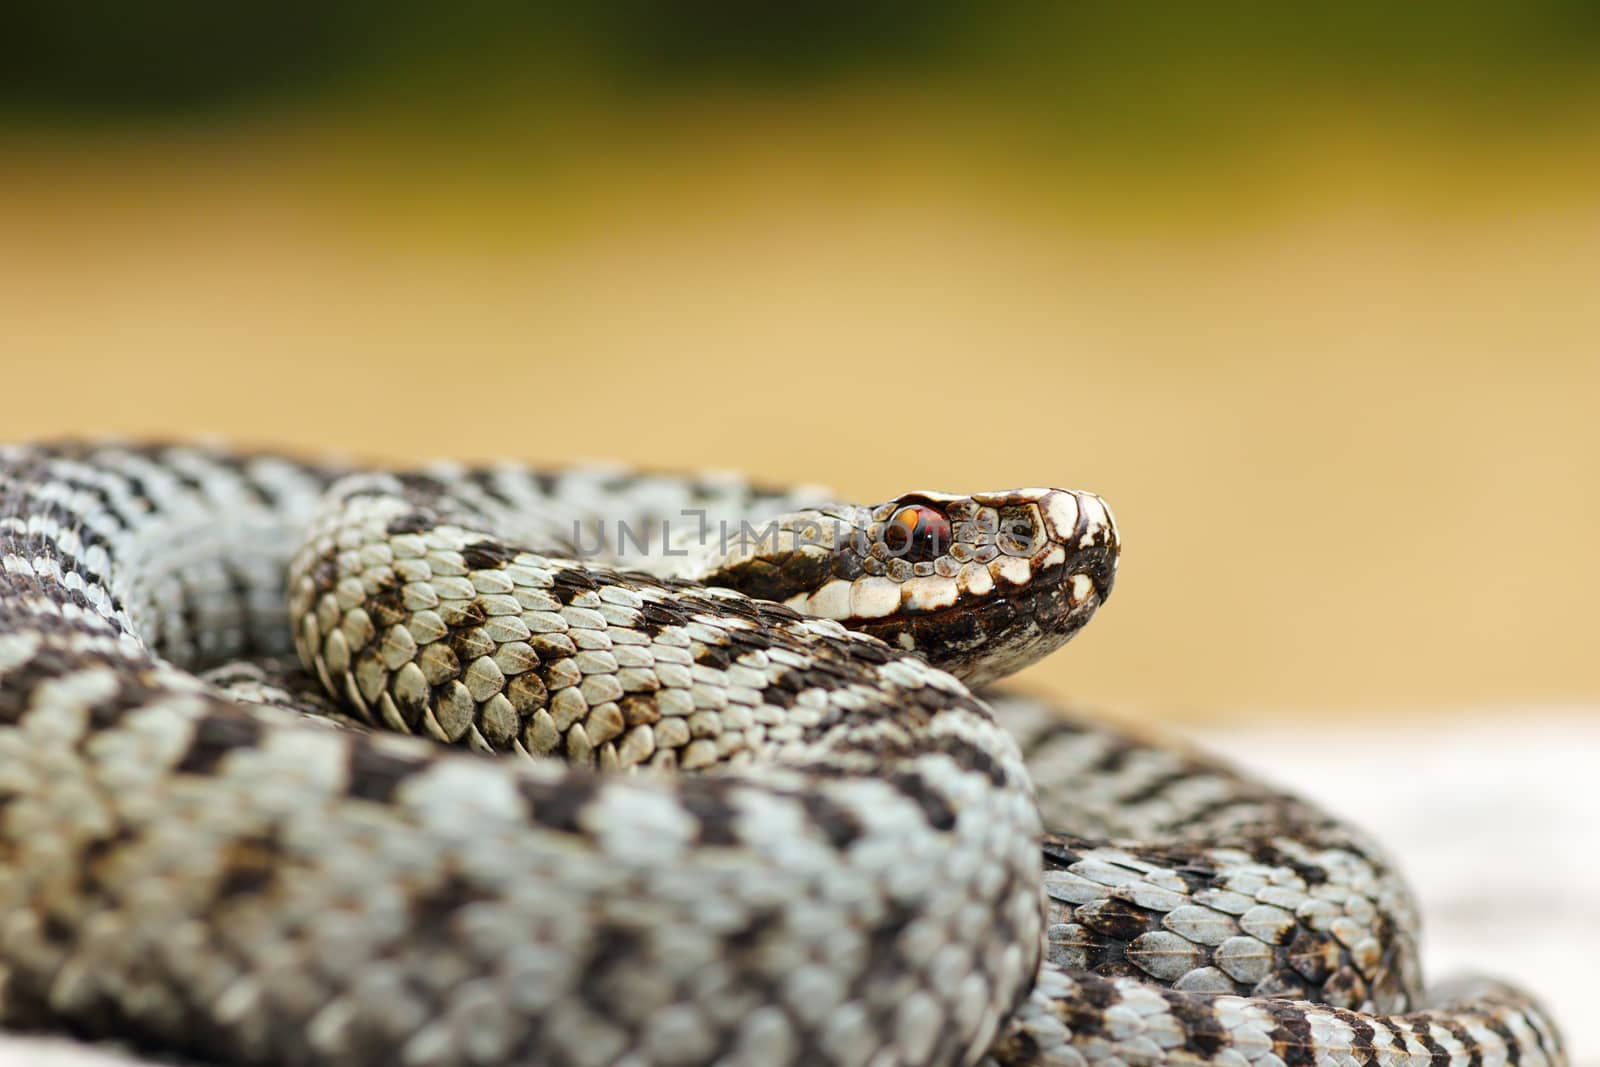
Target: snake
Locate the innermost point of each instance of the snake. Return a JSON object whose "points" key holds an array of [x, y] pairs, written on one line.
{"points": [[323, 762]]}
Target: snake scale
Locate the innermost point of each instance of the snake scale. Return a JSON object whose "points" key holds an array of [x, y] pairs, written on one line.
{"points": [[217, 840]]}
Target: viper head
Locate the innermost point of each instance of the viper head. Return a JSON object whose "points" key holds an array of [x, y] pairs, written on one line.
{"points": [[978, 585]]}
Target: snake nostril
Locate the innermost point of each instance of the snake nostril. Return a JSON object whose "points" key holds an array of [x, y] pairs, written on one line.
{"points": [[1102, 567]]}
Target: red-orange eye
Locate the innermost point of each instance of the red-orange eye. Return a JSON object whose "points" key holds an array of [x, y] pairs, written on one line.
{"points": [[917, 533]]}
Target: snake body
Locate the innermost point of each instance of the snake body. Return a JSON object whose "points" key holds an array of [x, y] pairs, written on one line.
{"points": [[216, 839]]}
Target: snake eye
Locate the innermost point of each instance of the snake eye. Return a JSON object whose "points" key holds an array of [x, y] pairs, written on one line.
{"points": [[917, 533]]}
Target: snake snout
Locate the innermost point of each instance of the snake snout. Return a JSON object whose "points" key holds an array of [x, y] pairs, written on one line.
{"points": [[1083, 524]]}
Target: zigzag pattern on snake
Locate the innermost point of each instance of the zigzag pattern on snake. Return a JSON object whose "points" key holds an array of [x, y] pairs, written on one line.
{"points": [[201, 853]]}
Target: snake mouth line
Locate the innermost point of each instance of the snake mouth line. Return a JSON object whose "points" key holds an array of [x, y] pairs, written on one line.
{"points": [[1079, 590], [981, 640]]}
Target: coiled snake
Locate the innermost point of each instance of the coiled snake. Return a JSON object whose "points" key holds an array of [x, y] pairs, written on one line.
{"points": [[229, 866]]}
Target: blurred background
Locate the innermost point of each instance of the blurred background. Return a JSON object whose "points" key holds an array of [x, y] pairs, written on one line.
{"points": [[1309, 294], [1310, 297]]}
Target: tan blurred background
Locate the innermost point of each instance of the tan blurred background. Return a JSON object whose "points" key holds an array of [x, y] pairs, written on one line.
{"points": [[1313, 303]]}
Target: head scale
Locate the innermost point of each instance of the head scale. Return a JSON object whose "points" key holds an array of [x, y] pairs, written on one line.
{"points": [[979, 585]]}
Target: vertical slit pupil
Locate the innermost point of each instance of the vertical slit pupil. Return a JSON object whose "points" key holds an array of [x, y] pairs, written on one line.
{"points": [[918, 533]]}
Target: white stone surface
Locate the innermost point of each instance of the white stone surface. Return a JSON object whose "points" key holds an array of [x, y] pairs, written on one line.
{"points": [[1495, 817]]}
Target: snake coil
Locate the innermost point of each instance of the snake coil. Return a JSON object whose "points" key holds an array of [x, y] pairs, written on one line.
{"points": [[781, 828]]}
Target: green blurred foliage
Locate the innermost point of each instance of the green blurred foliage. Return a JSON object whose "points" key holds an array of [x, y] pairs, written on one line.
{"points": [[161, 58], [101, 57]]}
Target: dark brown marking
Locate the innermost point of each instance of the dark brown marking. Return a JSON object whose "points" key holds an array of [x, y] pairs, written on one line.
{"points": [[557, 806], [387, 608], [1291, 1034], [374, 774], [1438, 1056], [433, 907], [1115, 918], [216, 735], [717, 657], [487, 556], [837, 824], [935, 808], [412, 522], [249, 866], [566, 585], [656, 616], [1362, 1046], [1203, 1035], [1498, 1027], [1459, 1032], [1308, 953], [1087, 1009], [711, 811]]}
